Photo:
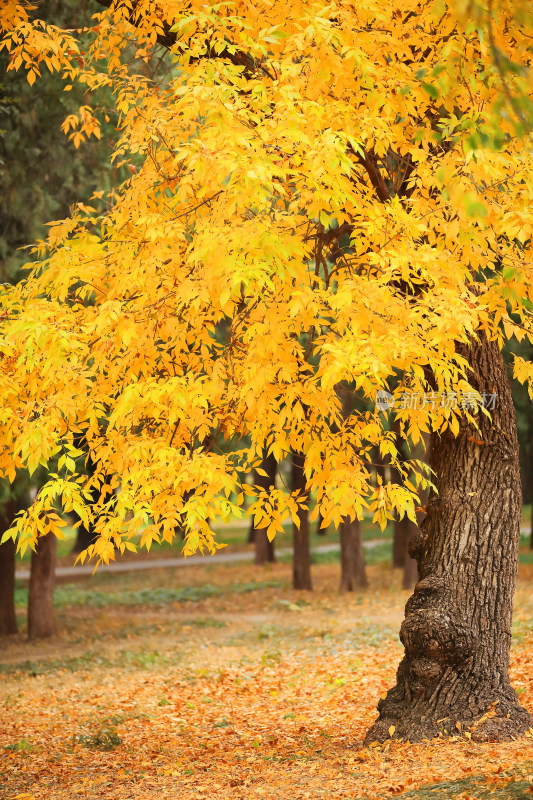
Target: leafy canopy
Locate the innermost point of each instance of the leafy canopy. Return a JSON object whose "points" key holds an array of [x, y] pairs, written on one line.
{"points": [[325, 198]]}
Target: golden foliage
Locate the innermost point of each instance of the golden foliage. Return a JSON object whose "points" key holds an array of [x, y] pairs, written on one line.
{"points": [[322, 195]]}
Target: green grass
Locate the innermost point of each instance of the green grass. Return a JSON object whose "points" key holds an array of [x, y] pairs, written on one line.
{"points": [[475, 787], [73, 595]]}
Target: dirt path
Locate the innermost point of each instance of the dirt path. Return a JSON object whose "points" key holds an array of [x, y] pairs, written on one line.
{"points": [[172, 561]]}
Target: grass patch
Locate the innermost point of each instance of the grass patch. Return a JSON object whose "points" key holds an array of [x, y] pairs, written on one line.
{"points": [[106, 739], [474, 787], [74, 595]]}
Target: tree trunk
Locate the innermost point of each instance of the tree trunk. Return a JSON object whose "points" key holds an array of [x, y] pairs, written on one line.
{"points": [[401, 536], [457, 629], [401, 533], [264, 549], [353, 572], [408, 529], [8, 618], [41, 617], [84, 537], [301, 559], [17, 500], [319, 529]]}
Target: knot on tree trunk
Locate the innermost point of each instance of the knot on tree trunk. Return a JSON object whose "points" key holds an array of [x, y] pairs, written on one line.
{"points": [[439, 635]]}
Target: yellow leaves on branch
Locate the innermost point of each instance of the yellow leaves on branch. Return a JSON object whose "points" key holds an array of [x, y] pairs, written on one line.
{"points": [[323, 201]]}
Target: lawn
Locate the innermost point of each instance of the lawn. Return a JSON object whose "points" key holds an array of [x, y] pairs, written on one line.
{"points": [[219, 681]]}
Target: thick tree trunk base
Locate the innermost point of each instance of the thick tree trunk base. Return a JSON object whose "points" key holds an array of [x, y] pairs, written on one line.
{"points": [[486, 715], [454, 677]]}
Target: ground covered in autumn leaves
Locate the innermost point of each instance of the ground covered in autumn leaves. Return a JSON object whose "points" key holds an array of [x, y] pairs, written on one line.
{"points": [[224, 683]]}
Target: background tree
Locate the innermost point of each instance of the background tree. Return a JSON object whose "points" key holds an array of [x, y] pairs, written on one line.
{"points": [[263, 547]]}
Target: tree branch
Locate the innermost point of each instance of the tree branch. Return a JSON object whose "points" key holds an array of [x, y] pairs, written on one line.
{"points": [[168, 39]]}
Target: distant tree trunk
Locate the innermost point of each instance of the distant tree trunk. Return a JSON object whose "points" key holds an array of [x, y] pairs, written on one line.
{"points": [[84, 537], [41, 617], [457, 629], [8, 618], [405, 529], [379, 466], [250, 539], [410, 566], [353, 571], [400, 536], [17, 500], [319, 529], [264, 549], [301, 559]]}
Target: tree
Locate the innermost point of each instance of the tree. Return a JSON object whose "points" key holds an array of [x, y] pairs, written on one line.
{"points": [[8, 618], [454, 675], [405, 529], [335, 185], [263, 546], [31, 135], [301, 549], [353, 570], [41, 616]]}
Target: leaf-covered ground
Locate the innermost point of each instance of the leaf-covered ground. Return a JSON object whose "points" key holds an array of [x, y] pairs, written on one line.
{"points": [[162, 689]]}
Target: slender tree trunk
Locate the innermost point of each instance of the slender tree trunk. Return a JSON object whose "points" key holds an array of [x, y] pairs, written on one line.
{"points": [[264, 549], [401, 532], [380, 466], [319, 529], [301, 559], [409, 529], [8, 618], [84, 537], [41, 617], [353, 571], [17, 501], [457, 629]]}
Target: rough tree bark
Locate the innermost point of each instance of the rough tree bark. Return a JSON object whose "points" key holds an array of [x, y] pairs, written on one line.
{"points": [[8, 618], [301, 558], [263, 548], [41, 617], [353, 571], [457, 628]]}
